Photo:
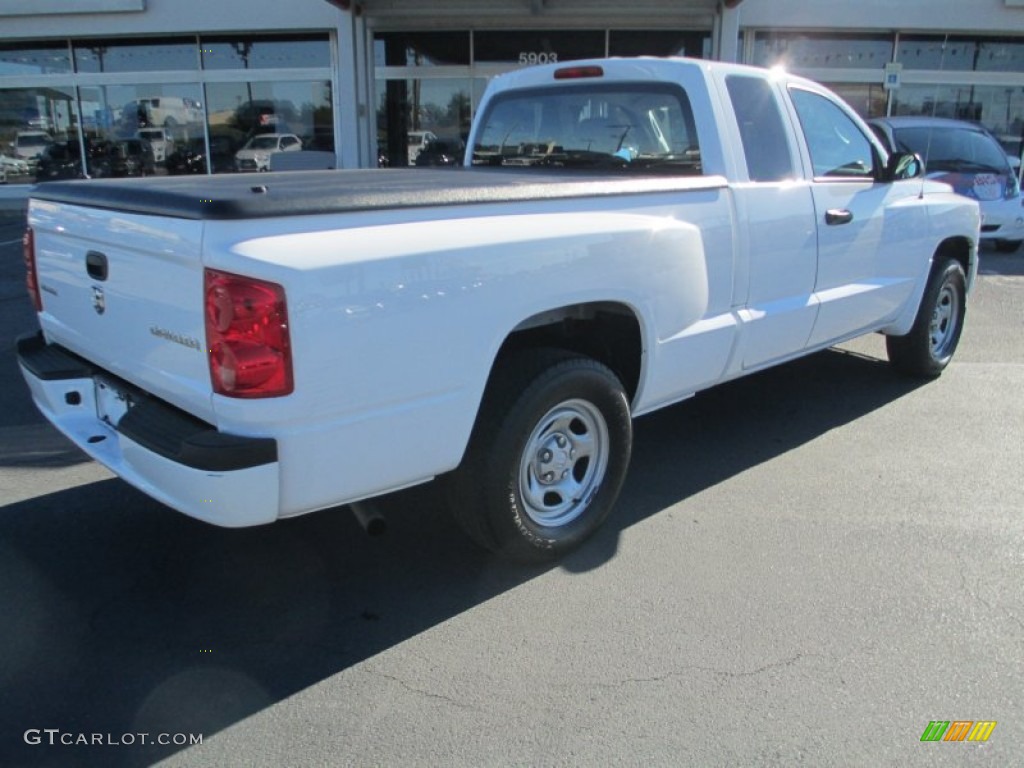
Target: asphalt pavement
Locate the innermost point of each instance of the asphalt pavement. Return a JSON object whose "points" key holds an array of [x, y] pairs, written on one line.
{"points": [[806, 567]]}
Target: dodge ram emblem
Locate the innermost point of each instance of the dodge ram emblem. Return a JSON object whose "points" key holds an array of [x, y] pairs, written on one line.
{"points": [[99, 302]]}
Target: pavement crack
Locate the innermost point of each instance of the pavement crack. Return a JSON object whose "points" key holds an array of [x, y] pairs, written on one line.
{"points": [[420, 692], [974, 594], [729, 674]]}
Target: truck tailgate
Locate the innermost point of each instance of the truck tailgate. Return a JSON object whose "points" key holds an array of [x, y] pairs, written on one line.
{"points": [[125, 292]]}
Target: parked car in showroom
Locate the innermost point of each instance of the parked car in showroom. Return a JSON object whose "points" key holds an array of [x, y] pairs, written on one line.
{"points": [[159, 140], [60, 160], [14, 166], [190, 157], [969, 158], [132, 157], [442, 152], [418, 141], [255, 155], [29, 145]]}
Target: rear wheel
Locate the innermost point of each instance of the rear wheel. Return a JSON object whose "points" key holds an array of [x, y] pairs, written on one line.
{"points": [[928, 348], [547, 457]]}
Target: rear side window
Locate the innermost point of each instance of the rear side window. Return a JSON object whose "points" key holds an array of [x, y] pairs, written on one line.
{"points": [[762, 130], [837, 146], [611, 126]]}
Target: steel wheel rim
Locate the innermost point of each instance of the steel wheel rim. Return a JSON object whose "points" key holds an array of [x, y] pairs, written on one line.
{"points": [[563, 463], [944, 322]]}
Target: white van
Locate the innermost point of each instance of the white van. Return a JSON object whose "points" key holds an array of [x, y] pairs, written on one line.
{"points": [[166, 111]]}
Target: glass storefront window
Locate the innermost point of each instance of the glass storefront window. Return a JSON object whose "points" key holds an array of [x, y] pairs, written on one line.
{"points": [[659, 43], [281, 52], [34, 58], [868, 99], [998, 108], [239, 112], [414, 113], [32, 122], [537, 46], [797, 51], [133, 130], [958, 53], [119, 56], [421, 49]]}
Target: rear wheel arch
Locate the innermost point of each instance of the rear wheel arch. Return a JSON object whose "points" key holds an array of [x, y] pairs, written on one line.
{"points": [[609, 332]]}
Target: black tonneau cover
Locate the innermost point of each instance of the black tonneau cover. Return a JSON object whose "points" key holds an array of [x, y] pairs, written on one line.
{"points": [[294, 193]]}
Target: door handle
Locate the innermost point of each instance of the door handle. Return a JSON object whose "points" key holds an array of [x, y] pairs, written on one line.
{"points": [[96, 265], [838, 216]]}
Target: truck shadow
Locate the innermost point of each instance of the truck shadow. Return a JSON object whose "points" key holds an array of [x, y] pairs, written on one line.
{"points": [[123, 617]]}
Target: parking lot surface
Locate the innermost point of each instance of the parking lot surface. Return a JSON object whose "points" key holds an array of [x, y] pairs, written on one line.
{"points": [[807, 566]]}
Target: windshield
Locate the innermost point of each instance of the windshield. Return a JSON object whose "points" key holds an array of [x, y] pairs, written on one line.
{"points": [[948, 148], [608, 126]]}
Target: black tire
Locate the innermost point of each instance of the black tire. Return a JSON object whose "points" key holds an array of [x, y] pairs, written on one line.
{"points": [[547, 457], [1008, 246], [928, 348]]}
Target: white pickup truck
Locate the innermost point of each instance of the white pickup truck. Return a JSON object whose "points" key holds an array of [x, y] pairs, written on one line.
{"points": [[629, 232]]}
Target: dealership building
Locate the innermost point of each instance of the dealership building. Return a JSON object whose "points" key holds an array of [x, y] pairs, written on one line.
{"points": [[362, 83]]}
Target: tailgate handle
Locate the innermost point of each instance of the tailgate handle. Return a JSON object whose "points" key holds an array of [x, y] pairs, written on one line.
{"points": [[96, 265]]}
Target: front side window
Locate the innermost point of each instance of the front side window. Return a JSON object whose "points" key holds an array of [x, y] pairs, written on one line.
{"points": [[837, 146], [606, 127]]}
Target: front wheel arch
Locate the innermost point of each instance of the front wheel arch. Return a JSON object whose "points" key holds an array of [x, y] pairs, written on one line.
{"points": [[927, 349]]}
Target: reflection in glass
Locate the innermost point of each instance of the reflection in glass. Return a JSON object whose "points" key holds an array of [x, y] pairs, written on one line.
{"points": [[998, 108], [132, 130], [238, 112], [117, 56], [659, 43], [797, 51], [34, 58], [32, 120], [867, 99], [537, 46], [421, 49], [250, 52], [413, 113], [959, 53]]}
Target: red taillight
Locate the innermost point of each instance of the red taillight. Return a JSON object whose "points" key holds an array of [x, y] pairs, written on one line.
{"points": [[575, 73], [28, 246], [247, 336]]}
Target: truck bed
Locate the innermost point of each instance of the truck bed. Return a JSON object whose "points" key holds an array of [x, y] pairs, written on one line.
{"points": [[247, 196]]}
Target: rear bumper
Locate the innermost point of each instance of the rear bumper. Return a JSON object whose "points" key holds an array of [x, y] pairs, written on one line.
{"points": [[224, 479]]}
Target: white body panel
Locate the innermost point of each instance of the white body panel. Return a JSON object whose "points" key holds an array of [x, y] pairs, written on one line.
{"points": [[396, 316]]}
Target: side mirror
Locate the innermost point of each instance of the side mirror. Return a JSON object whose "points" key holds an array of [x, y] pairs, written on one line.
{"points": [[904, 165]]}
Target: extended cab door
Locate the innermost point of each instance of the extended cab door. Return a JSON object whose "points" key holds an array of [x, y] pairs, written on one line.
{"points": [[778, 234], [870, 232]]}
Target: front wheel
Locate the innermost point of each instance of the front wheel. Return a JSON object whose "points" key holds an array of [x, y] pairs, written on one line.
{"points": [[547, 457], [929, 347]]}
